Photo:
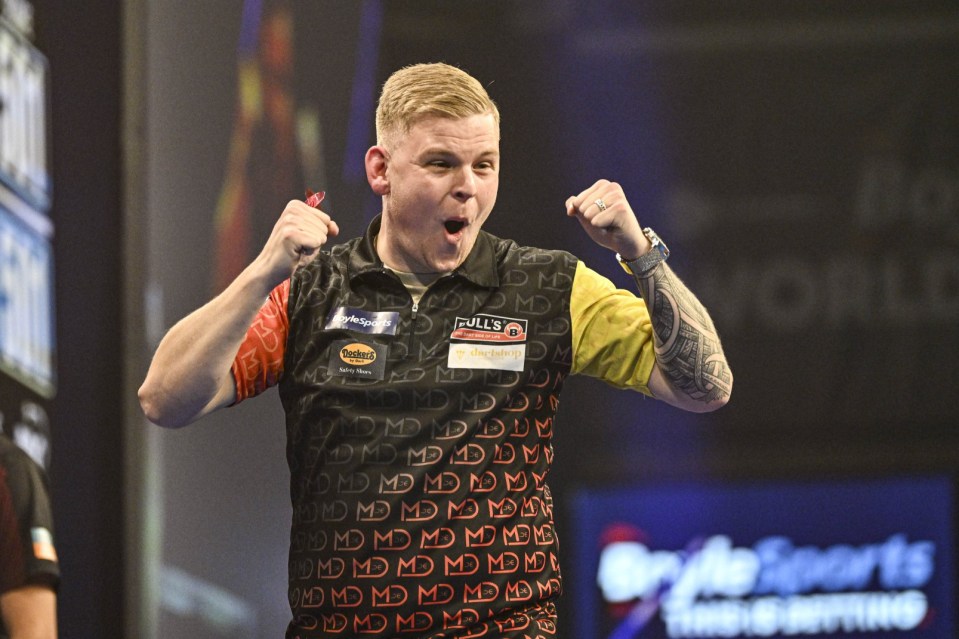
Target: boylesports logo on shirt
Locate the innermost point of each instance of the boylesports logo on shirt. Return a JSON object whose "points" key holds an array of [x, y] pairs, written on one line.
{"points": [[358, 320]]}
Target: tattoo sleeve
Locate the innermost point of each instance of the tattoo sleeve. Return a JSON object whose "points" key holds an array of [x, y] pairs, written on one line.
{"points": [[688, 350]]}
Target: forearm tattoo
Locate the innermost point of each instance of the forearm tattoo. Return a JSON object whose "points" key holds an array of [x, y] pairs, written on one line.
{"points": [[688, 349]]}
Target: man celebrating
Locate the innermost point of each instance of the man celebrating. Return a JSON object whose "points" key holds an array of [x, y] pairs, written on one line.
{"points": [[420, 368]]}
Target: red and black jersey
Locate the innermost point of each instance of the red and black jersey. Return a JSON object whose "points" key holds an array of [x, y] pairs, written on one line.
{"points": [[419, 440]]}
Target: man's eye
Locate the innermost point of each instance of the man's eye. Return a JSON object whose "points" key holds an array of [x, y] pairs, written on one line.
{"points": [[442, 164]]}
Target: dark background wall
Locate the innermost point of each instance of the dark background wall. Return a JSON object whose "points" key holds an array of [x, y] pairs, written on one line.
{"points": [[83, 44]]}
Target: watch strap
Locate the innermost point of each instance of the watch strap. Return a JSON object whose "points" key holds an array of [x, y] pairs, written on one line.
{"points": [[642, 264], [646, 262]]}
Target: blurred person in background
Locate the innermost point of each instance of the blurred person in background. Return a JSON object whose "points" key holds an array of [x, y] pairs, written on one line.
{"points": [[29, 570]]}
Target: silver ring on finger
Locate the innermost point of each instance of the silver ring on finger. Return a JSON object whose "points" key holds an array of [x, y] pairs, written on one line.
{"points": [[601, 204]]}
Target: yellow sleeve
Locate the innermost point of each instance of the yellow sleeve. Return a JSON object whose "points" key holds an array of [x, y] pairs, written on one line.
{"points": [[612, 333]]}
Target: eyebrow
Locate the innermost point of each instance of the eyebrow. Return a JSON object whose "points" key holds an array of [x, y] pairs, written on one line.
{"points": [[443, 151]]}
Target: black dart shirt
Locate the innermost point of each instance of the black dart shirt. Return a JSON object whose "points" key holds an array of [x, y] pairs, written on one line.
{"points": [[419, 437]]}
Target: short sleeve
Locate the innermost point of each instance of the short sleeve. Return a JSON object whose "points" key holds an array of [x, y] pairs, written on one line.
{"points": [[27, 551], [612, 332], [259, 361]]}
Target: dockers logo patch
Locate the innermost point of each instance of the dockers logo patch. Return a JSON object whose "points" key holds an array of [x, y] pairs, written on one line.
{"points": [[489, 329], [359, 321], [358, 354], [351, 358]]}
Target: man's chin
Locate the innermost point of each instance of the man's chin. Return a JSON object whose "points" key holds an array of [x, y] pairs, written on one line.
{"points": [[448, 260], [445, 264]]}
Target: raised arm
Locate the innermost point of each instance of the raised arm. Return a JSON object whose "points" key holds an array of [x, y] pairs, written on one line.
{"points": [[691, 371], [190, 373]]}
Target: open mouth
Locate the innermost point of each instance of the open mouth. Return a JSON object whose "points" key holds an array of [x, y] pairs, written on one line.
{"points": [[454, 226]]}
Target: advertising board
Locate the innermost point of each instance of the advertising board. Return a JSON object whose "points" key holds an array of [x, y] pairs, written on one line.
{"points": [[818, 559]]}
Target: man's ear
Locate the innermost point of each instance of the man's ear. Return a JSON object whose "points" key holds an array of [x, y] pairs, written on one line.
{"points": [[376, 162]]}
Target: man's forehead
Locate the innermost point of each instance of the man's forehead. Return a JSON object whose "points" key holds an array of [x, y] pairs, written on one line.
{"points": [[475, 134]]}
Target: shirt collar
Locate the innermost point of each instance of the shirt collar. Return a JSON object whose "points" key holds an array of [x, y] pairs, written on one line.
{"points": [[479, 267]]}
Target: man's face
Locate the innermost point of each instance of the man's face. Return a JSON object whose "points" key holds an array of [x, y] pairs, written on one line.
{"points": [[443, 177]]}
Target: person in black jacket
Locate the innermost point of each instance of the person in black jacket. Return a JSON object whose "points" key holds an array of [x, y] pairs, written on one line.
{"points": [[29, 571]]}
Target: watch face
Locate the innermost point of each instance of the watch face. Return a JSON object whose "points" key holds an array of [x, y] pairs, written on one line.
{"points": [[657, 242], [644, 263]]}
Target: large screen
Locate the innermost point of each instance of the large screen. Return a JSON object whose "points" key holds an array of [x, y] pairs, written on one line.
{"points": [[820, 559], [27, 331]]}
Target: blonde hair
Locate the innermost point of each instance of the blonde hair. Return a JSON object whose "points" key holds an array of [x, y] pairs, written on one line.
{"points": [[422, 90]]}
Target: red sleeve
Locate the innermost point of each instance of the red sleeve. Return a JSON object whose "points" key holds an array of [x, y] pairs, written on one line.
{"points": [[259, 362]]}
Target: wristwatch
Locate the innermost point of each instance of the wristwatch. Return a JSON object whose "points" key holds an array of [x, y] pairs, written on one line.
{"points": [[648, 260]]}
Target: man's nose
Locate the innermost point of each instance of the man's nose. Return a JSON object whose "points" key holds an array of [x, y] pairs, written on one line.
{"points": [[464, 186]]}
